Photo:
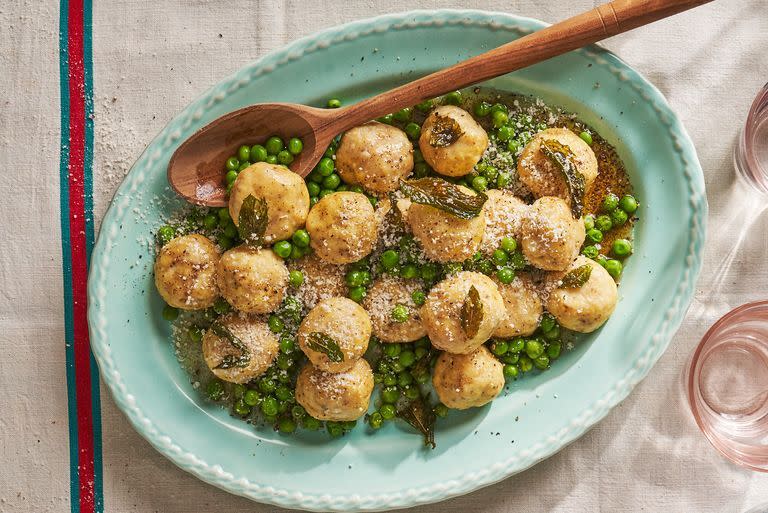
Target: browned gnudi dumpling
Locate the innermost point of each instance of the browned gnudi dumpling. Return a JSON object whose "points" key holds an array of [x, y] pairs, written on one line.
{"points": [[587, 307], [385, 294], [262, 348], [322, 280], [345, 323], [252, 280], [551, 237], [342, 227], [442, 313], [443, 236], [339, 396], [284, 191], [375, 156], [542, 176], [503, 217], [523, 308], [451, 141], [185, 272], [464, 381]]}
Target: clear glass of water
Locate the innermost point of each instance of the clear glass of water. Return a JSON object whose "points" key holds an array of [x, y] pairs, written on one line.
{"points": [[726, 384]]}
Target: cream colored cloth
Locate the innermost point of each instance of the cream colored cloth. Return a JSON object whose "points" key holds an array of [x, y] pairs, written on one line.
{"points": [[152, 57]]}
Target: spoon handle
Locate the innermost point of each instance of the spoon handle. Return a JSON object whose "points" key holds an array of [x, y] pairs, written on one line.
{"points": [[599, 23]]}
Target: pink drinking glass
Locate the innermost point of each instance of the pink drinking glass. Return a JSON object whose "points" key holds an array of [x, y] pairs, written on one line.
{"points": [[726, 384]]}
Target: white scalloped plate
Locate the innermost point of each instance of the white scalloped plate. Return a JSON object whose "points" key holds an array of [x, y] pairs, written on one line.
{"points": [[537, 415]]}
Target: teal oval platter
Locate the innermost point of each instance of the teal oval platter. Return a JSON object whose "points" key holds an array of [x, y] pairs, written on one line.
{"points": [[535, 416]]}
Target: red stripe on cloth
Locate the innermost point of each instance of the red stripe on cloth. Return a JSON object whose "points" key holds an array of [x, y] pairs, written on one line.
{"points": [[79, 255]]}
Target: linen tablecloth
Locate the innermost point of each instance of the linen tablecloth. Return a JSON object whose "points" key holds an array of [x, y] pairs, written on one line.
{"points": [[86, 85]]}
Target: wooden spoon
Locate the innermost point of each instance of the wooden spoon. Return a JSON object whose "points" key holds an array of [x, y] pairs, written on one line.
{"points": [[196, 167]]}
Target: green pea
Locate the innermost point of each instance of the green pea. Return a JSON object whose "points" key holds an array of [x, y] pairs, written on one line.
{"points": [[232, 163], [514, 146], [166, 234], [403, 115], [373, 201], [220, 306], [619, 217], [243, 165], [610, 203], [499, 347], [421, 169], [553, 334], [286, 425], [500, 257], [418, 297], [258, 153], [508, 244], [510, 358], [412, 130], [407, 358], [504, 133], [388, 411], [276, 324], [331, 181], [614, 268], [409, 271], [298, 412], [419, 352], [251, 397], [325, 166], [238, 390], [547, 322], [499, 118], [594, 236], [390, 394], [300, 238], [589, 222], [392, 350], [404, 379], [429, 272], [505, 275], [440, 410], [553, 351], [453, 98], [311, 423], [282, 248], [214, 390], [482, 109], [325, 192], [511, 371], [241, 408], [603, 223], [285, 157], [354, 278], [526, 364], [313, 189], [295, 278], [287, 345], [225, 242], [421, 377], [590, 251], [499, 107], [231, 177], [390, 380], [210, 221], [386, 119], [628, 204], [357, 189], [283, 393], [517, 344], [425, 106], [271, 159], [400, 313], [274, 145], [244, 153], [170, 313], [534, 348], [267, 385], [412, 393], [366, 278], [230, 230], [480, 183], [389, 259], [269, 406], [297, 252], [586, 137], [503, 180], [541, 362], [375, 420], [313, 201], [224, 216], [621, 248], [357, 294], [335, 429], [334, 103]]}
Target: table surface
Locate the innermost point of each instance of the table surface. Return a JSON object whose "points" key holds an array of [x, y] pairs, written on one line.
{"points": [[151, 58]]}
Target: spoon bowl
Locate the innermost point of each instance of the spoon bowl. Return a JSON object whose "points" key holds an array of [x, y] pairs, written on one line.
{"points": [[196, 168]]}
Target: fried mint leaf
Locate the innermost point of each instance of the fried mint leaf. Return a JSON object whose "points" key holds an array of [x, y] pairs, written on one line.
{"points": [[252, 221], [231, 360], [445, 131], [577, 277], [472, 312], [562, 156], [419, 415], [322, 343], [445, 196]]}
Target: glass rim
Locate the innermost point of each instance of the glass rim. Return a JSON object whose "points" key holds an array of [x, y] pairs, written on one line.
{"points": [[745, 158]]}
